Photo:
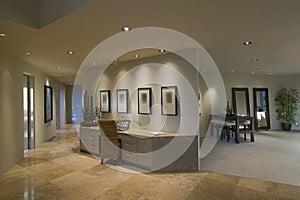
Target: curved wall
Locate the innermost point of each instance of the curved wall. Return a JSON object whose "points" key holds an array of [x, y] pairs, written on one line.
{"points": [[154, 72]]}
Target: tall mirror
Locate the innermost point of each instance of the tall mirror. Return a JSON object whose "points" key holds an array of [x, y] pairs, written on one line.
{"points": [[240, 101], [261, 108]]}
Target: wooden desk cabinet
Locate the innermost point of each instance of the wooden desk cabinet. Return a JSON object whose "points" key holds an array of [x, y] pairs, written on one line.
{"points": [[138, 151], [90, 140]]}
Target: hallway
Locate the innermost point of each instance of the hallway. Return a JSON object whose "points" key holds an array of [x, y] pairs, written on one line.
{"points": [[57, 170]]}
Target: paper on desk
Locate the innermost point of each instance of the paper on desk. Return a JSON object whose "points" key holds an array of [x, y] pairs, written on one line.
{"points": [[156, 132]]}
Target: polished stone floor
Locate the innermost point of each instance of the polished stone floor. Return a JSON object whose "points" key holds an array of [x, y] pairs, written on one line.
{"points": [[57, 170]]}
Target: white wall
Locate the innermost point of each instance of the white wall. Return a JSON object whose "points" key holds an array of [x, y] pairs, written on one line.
{"points": [[155, 72], [11, 109], [273, 83]]}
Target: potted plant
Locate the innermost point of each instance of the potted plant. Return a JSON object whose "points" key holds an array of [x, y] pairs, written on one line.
{"points": [[287, 101], [228, 110], [89, 116]]}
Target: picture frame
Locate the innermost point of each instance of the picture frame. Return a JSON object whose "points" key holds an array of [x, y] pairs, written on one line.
{"points": [[48, 103], [105, 101], [122, 100], [144, 101], [169, 100]]}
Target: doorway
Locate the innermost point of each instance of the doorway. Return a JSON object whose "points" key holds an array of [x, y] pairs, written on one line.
{"points": [[28, 106], [261, 108]]}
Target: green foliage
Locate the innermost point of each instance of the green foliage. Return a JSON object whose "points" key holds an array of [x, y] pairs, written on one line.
{"points": [[287, 105], [88, 114]]}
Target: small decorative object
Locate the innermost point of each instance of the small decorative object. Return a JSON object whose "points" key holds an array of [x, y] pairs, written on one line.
{"points": [[228, 110], [89, 115], [97, 112], [169, 100], [105, 101], [122, 100], [144, 101], [48, 104], [287, 101]]}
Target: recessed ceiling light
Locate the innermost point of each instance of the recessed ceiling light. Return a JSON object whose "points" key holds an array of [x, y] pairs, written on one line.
{"points": [[58, 75], [70, 52], [94, 64], [270, 73], [136, 55], [28, 53], [2, 34], [252, 72], [162, 50], [58, 68], [247, 43], [126, 28], [232, 71], [254, 59]]}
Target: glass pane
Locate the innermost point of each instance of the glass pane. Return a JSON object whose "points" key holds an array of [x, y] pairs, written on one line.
{"points": [[241, 106], [261, 109], [25, 100]]}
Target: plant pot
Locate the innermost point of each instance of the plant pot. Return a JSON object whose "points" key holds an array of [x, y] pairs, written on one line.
{"points": [[88, 123], [286, 126]]}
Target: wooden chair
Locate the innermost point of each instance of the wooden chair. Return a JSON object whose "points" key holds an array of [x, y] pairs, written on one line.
{"points": [[109, 142]]}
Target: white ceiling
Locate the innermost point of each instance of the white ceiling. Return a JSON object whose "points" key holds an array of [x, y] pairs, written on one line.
{"points": [[219, 26]]}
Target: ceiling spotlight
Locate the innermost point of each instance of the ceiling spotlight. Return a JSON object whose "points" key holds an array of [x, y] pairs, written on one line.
{"points": [[247, 43], [94, 64], [58, 68], [136, 55], [232, 71], [254, 59], [28, 53], [252, 72], [162, 50], [70, 52], [126, 28], [2, 34], [270, 73]]}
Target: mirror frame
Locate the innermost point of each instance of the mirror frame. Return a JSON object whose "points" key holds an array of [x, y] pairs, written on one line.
{"points": [[233, 91], [255, 107]]}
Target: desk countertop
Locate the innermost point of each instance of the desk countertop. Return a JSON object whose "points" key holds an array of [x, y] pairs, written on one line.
{"points": [[148, 133]]}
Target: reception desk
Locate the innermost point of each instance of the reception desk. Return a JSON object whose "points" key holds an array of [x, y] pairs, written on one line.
{"points": [[160, 151], [153, 151]]}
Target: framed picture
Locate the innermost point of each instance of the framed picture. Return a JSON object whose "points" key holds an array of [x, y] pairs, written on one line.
{"points": [[122, 100], [104, 101], [169, 100], [48, 104], [144, 101]]}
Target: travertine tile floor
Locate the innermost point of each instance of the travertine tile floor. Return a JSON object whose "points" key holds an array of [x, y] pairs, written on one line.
{"points": [[56, 170]]}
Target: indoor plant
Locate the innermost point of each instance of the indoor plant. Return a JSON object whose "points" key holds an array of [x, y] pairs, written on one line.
{"points": [[287, 101], [89, 115]]}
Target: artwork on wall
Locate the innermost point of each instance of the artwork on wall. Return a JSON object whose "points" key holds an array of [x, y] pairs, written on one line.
{"points": [[169, 100], [144, 101], [122, 100], [104, 101], [48, 104]]}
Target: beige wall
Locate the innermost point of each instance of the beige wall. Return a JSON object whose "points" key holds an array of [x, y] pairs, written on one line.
{"points": [[273, 83], [138, 72], [11, 112]]}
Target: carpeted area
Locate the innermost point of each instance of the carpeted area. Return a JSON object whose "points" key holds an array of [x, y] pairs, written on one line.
{"points": [[274, 156]]}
